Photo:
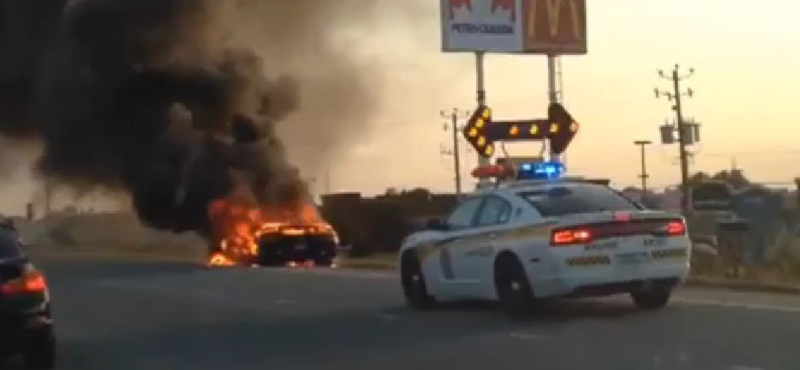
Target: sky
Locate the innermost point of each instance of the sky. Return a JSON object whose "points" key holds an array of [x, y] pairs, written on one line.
{"points": [[745, 84]]}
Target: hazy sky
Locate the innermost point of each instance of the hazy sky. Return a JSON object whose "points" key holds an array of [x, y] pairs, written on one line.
{"points": [[746, 77], [745, 82]]}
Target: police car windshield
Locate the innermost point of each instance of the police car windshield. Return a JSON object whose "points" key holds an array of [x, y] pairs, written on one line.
{"points": [[577, 198], [9, 245]]}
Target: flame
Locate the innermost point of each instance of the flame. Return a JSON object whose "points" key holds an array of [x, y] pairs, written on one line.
{"points": [[238, 225], [219, 259]]}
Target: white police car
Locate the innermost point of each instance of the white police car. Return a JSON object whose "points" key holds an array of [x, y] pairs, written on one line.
{"points": [[527, 240]]}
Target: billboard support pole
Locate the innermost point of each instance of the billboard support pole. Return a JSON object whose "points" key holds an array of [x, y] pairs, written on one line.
{"points": [[552, 90], [481, 90], [479, 55]]}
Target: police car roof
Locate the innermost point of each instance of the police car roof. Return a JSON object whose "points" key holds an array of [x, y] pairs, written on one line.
{"points": [[521, 184]]}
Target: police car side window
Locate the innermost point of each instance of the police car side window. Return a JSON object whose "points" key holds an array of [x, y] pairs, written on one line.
{"points": [[464, 213], [494, 211]]}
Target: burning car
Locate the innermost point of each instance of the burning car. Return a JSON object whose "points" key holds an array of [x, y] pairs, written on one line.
{"points": [[246, 234]]}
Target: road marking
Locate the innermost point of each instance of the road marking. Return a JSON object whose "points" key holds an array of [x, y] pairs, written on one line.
{"points": [[742, 367], [729, 304], [365, 274], [371, 275], [528, 336], [284, 302], [385, 316]]}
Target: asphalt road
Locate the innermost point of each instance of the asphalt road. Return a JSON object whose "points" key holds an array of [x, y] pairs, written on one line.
{"points": [[149, 315]]}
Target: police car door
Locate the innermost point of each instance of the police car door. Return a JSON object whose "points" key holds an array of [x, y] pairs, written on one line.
{"points": [[475, 260], [460, 226]]}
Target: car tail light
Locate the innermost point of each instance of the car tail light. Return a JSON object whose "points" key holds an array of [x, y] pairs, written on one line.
{"points": [[676, 228], [31, 282], [571, 236]]}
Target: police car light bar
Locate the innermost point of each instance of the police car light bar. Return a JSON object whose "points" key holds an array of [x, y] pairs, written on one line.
{"points": [[525, 171], [540, 170]]}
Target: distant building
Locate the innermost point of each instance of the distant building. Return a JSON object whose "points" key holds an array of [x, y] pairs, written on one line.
{"points": [[671, 199]]}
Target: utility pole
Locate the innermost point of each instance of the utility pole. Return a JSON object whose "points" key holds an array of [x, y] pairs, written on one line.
{"points": [[676, 77], [797, 194], [454, 116], [644, 175], [48, 191]]}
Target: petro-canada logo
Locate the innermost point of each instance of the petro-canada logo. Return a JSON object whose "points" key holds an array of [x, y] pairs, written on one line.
{"points": [[508, 5]]}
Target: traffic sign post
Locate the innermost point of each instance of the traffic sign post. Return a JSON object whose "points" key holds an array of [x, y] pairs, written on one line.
{"points": [[544, 27]]}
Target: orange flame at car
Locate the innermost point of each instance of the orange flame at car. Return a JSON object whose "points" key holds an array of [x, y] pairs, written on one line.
{"points": [[238, 225], [219, 259]]}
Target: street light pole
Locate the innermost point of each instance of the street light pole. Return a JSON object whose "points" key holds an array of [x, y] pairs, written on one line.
{"points": [[642, 144]]}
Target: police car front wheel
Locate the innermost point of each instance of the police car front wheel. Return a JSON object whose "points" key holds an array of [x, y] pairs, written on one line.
{"points": [[413, 281]]}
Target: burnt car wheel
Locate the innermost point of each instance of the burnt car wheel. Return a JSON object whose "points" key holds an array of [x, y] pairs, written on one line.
{"points": [[324, 262], [40, 353]]}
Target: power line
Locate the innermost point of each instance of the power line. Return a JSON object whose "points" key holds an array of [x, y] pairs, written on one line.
{"points": [[750, 153]]}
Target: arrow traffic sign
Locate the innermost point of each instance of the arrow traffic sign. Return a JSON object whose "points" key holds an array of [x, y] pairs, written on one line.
{"points": [[482, 132]]}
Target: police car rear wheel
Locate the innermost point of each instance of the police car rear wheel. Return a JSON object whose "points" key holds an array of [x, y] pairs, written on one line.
{"points": [[513, 289], [651, 299], [414, 288]]}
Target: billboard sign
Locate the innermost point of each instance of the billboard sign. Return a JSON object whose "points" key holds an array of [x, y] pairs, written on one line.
{"points": [[482, 25], [555, 26], [514, 26]]}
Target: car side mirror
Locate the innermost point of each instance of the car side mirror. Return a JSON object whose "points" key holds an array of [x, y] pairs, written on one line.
{"points": [[436, 224]]}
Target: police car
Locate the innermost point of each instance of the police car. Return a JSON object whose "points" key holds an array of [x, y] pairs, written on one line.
{"points": [[543, 236]]}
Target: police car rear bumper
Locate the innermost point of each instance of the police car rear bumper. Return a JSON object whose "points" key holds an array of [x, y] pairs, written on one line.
{"points": [[607, 280]]}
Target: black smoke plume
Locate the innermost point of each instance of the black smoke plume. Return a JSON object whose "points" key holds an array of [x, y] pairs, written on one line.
{"points": [[145, 95]]}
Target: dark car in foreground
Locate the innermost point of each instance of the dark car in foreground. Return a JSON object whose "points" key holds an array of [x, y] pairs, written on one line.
{"points": [[26, 324]]}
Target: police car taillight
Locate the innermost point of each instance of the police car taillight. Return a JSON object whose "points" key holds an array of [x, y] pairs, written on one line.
{"points": [[571, 236], [583, 234], [676, 228]]}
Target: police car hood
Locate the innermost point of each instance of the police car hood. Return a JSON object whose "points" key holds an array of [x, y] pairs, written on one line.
{"points": [[421, 237]]}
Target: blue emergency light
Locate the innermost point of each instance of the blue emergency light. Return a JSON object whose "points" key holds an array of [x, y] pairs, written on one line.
{"points": [[540, 171]]}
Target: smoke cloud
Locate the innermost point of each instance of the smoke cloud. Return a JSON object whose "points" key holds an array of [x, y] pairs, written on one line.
{"points": [[165, 100]]}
